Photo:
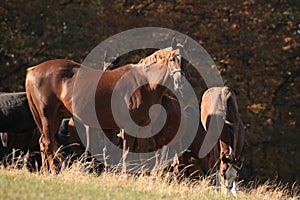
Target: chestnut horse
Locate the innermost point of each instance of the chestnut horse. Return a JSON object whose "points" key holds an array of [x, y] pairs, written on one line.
{"points": [[221, 102], [108, 65], [50, 88], [226, 152], [207, 164], [171, 105]]}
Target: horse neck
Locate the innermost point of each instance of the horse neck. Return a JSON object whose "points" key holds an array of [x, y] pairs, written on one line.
{"points": [[157, 76], [159, 91], [232, 114]]}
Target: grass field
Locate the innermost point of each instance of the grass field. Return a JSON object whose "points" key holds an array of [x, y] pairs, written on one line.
{"points": [[74, 183]]}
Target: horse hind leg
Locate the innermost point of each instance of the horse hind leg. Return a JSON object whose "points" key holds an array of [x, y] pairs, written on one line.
{"points": [[32, 101], [48, 143], [47, 121]]}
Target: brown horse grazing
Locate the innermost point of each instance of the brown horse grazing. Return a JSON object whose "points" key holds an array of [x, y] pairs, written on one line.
{"points": [[221, 153], [221, 102], [51, 93], [207, 165]]}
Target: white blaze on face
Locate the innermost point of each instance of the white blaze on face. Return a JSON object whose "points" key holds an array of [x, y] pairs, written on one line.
{"points": [[231, 175], [179, 60], [177, 75]]}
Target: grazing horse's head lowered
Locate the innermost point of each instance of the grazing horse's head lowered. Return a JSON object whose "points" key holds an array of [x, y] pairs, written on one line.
{"points": [[169, 58], [222, 102]]}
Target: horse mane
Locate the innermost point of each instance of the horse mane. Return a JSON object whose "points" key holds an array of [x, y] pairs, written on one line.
{"points": [[149, 60], [30, 68]]}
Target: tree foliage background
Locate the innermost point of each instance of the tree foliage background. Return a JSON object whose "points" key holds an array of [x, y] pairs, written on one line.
{"points": [[254, 43]]}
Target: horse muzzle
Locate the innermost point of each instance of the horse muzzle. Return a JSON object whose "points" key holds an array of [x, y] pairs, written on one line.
{"points": [[230, 176], [178, 83]]}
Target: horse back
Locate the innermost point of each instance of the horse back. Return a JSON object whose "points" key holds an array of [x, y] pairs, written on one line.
{"points": [[52, 80]]}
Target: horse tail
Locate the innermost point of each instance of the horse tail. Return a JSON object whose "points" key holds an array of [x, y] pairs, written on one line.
{"points": [[30, 100]]}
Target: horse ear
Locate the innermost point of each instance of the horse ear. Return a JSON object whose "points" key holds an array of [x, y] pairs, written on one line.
{"points": [[186, 44], [105, 66], [105, 63], [118, 53], [174, 43], [105, 55]]}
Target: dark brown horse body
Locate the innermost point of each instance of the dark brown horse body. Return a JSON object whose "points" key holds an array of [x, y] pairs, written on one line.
{"points": [[51, 91]]}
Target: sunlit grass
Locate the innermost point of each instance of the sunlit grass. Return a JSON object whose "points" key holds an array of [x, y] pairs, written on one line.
{"points": [[75, 183]]}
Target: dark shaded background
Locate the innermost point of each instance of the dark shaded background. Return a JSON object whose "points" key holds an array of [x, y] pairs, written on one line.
{"points": [[254, 43]]}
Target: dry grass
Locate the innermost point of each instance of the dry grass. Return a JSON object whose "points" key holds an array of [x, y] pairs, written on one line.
{"points": [[74, 182]]}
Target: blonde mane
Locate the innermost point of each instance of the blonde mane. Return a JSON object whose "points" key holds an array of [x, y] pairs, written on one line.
{"points": [[153, 58]]}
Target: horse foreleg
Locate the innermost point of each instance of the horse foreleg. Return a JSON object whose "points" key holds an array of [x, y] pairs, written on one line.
{"points": [[218, 181], [124, 155], [157, 164], [234, 189], [142, 143], [88, 145]]}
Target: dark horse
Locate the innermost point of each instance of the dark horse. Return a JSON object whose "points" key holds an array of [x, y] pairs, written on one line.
{"points": [[51, 93], [15, 114], [16, 122]]}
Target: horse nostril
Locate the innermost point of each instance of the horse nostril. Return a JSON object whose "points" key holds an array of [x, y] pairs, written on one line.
{"points": [[179, 82]]}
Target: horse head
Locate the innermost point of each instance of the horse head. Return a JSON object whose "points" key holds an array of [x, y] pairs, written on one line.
{"points": [[229, 167], [180, 51], [167, 58], [182, 47], [175, 69], [228, 172]]}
